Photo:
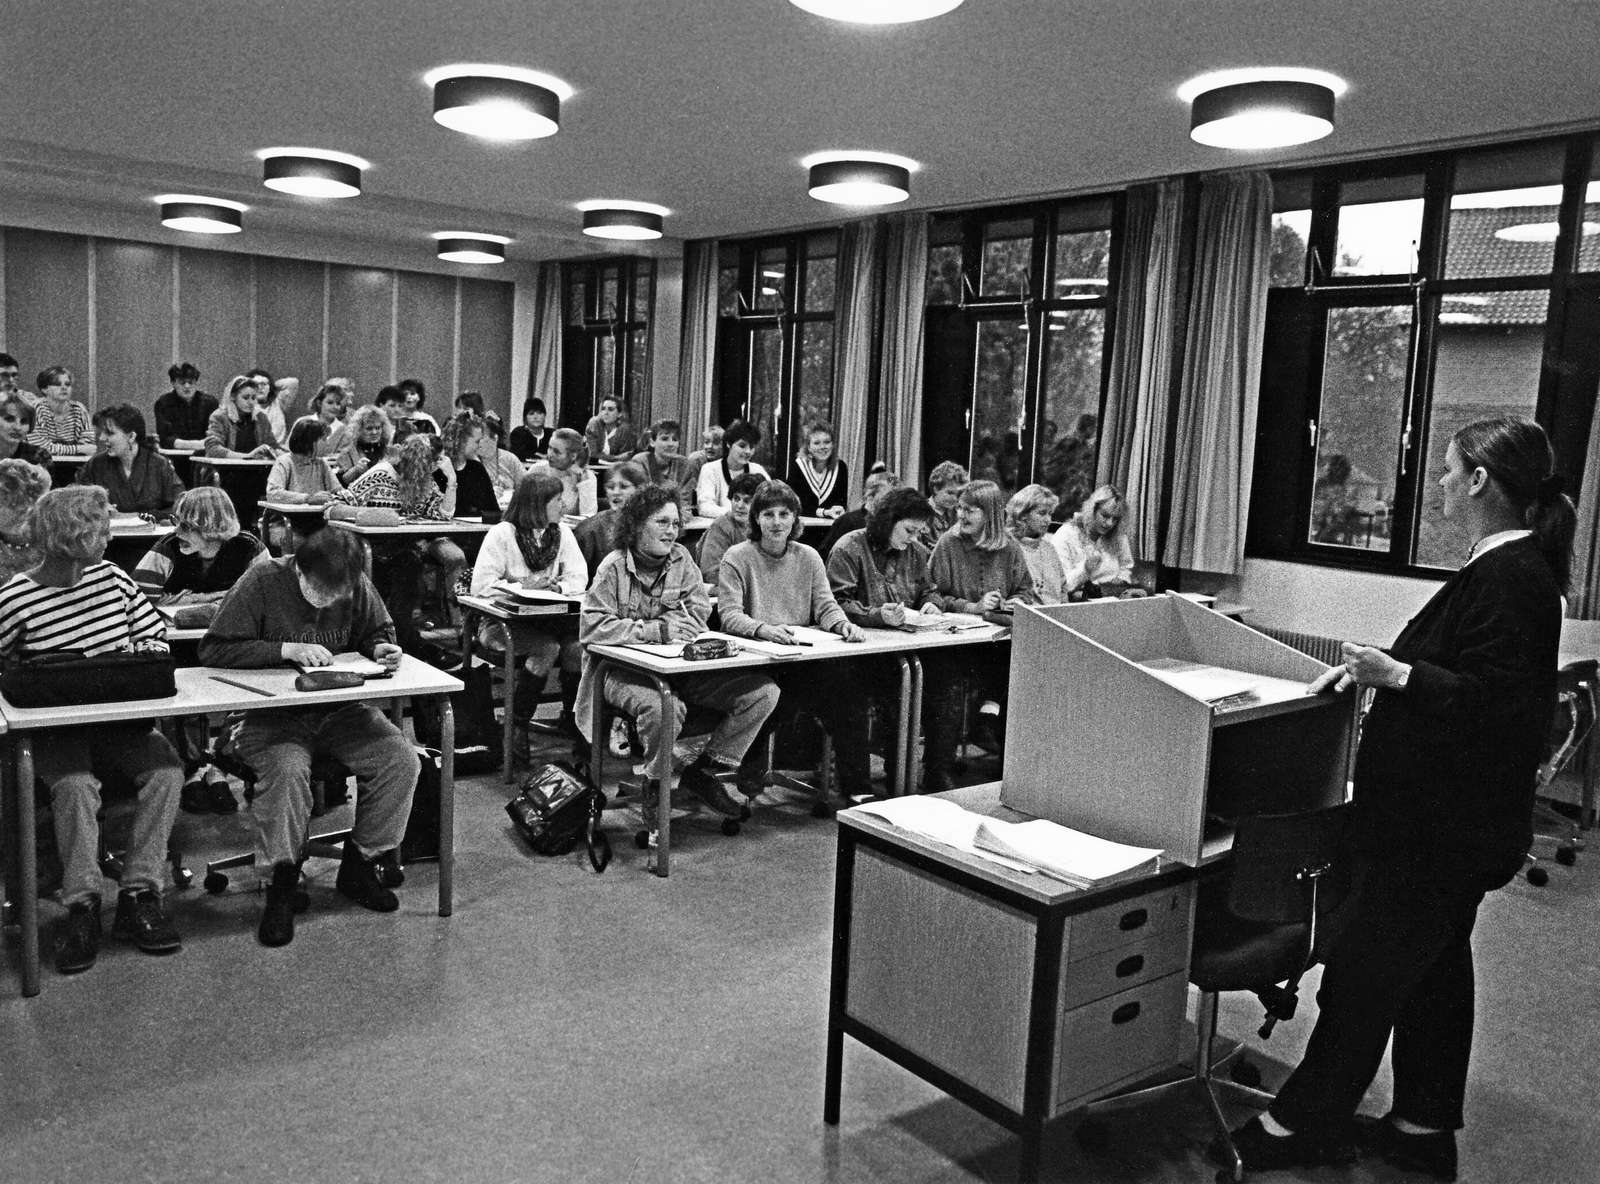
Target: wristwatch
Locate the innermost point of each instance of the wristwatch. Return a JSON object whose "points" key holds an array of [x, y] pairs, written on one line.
{"points": [[1405, 677]]}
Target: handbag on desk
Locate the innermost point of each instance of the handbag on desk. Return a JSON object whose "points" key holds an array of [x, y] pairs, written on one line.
{"points": [[554, 808], [69, 679]]}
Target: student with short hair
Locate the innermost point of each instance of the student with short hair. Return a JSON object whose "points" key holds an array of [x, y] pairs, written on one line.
{"points": [[391, 400], [710, 450], [10, 370], [1028, 518], [75, 600], [661, 461], [239, 428], [60, 423], [183, 412], [607, 433], [302, 473], [329, 406], [370, 433], [137, 478], [739, 443], [564, 460], [16, 424], [302, 610], [414, 395], [470, 401], [822, 479], [531, 438], [732, 527], [879, 482], [595, 533], [1094, 548], [944, 487]]}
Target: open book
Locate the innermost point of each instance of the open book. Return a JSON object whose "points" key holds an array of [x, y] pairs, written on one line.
{"points": [[921, 622], [1070, 855], [355, 663]]}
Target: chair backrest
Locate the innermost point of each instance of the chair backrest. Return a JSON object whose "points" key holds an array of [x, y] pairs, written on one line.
{"points": [[1274, 858]]}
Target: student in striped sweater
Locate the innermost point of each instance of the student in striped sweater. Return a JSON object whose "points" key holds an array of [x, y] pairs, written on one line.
{"points": [[75, 600], [60, 422]]}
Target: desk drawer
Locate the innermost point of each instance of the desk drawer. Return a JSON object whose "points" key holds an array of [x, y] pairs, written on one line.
{"points": [[1119, 1037], [1162, 951], [1137, 919]]}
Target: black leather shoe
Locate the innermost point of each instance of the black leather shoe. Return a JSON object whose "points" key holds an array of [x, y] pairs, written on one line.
{"points": [[277, 916], [78, 937], [1432, 1154], [194, 798], [141, 920], [360, 879], [221, 798], [1263, 1151], [391, 872], [709, 790]]}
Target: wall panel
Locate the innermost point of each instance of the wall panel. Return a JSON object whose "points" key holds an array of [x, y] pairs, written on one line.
{"points": [[214, 315], [47, 304], [133, 323], [486, 307], [427, 323], [289, 320], [360, 322]]}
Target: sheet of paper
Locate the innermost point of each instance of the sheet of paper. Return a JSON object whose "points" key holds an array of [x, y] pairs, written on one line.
{"points": [[1067, 854], [939, 820], [365, 667], [1206, 683]]}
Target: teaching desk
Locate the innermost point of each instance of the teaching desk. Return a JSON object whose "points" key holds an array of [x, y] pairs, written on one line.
{"points": [[200, 691]]}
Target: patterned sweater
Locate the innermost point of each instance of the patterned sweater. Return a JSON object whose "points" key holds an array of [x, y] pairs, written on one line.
{"points": [[68, 431], [265, 609], [104, 612]]}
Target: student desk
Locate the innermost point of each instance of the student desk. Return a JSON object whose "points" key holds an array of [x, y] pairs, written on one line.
{"points": [[415, 528], [130, 541], [64, 466], [242, 478], [1013, 992], [495, 616], [200, 693], [183, 462], [294, 509]]}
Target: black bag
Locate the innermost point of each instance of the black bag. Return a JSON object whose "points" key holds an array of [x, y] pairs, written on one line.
{"points": [[421, 841], [554, 808], [477, 745], [70, 679]]}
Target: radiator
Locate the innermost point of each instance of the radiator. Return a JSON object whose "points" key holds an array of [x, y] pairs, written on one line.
{"points": [[1323, 649]]}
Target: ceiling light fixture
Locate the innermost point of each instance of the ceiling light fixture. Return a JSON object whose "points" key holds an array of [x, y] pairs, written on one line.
{"points": [[877, 12], [201, 215], [1256, 109], [468, 246], [497, 102], [637, 220], [859, 178], [311, 172]]}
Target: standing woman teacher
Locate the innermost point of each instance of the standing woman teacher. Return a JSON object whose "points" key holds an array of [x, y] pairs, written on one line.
{"points": [[1444, 786]]}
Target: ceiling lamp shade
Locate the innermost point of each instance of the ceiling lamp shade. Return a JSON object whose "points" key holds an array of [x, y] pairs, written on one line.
{"points": [[311, 172], [859, 178], [201, 215], [632, 220], [468, 246], [1266, 113], [877, 12], [497, 102]]}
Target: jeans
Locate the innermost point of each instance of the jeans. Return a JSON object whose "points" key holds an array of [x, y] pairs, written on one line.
{"points": [[744, 702]]}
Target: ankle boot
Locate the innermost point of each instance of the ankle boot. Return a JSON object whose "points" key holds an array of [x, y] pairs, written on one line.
{"points": [[941, 729], [521, 757], [569, 699], [525, 694], [277, 917]]}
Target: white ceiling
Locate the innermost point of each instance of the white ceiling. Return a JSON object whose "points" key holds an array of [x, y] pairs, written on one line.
{"points": [[707, 106]]}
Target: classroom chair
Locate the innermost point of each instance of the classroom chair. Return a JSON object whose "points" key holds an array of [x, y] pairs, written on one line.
{"points": [[1576, 708]]}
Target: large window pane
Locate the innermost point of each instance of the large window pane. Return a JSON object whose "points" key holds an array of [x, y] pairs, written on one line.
{"points": [[577, 299], [610, 304], [1082, 263], [772, 277], [1365, 367], [1291, 231], [728, 292], [1503, 209], [1007, 255], [641, 290], [821, 266], [1071, 406], [816, 374], [635, 397], [998, 388], [1380, 225], [1487, 365], [605, 368], [944, 274], [1589, 242], [766, 388]]}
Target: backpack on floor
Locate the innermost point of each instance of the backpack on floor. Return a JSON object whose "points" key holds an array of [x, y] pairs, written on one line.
{"points": [[477, 744], [554, 808]]}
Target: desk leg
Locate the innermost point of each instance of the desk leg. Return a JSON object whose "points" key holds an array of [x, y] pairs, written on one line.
{"points": [[902, 732], [597, 715], [27, 872], [508, 716], [913, 761], [447, 806], [838, 995], [664, 778], [1044, 1013]]}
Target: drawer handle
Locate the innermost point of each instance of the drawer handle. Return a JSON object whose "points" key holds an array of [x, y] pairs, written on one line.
{"points": [[1134, 919], [1130, 965], [1125, 1014]]}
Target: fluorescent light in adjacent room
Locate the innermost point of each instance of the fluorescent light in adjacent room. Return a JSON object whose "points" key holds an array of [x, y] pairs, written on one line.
{"points": [[877, 12], [1541, 232], [614, 219], [859, 178], [201, 215], [497, 102], [312, 172], [468, 246], [1261, 108]]}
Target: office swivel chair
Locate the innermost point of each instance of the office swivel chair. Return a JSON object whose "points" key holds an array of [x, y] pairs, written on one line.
{"points": [[1577, 688], [1259, 928]]}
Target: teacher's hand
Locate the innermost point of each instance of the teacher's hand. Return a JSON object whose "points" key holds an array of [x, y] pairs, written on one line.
{"points": [[1371, 667]]}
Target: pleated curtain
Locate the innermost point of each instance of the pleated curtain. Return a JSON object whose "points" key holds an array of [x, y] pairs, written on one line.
{"points": [[855, 316], [905, 294], [698, 353], [547, 327], [1584, 597], [1217, 399]]}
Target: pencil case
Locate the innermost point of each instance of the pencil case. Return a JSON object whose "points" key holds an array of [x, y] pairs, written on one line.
{"points": [[328, 680]]}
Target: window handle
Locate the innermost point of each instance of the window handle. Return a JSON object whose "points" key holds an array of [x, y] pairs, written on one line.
{"points": [[1311, 432]]}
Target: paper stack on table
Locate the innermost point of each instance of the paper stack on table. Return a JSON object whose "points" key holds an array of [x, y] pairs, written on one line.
{"points": [[1080, 859]]}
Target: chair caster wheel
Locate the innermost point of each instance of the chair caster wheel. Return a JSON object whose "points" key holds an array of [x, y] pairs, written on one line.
{"points": [[1246, 1073], [215, 883], [182, 878], [641, 839], [1538, 877], [821, 810], [1092, 1136], [730, 827], [1566, 856]]}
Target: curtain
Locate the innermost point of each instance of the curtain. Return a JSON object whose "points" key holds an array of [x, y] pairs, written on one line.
{"points": [[1221, 374], [1585, 594], [1133, 436], [698, 354], [548, 323], [855, 314], [905, 292]]}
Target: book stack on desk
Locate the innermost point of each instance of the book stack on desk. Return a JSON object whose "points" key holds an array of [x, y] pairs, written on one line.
{"points": [[920, 622], [532, 602]]}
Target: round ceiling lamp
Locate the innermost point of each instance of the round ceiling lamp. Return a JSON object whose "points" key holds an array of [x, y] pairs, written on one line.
{"points": [[312, 172], [201, 215], [1257, 109], [859, 178], [468, 246], [635, 220], [877, 12], [497, 102]]}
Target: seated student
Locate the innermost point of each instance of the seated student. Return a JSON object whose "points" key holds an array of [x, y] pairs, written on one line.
{"points": [[771, 581], [532, 438], [391, 400], [879, 482], [278, 402], [239, 427], [468, 489], [302, 474], [75, 600], [503, 465], [607, 434], [710, 450], [16, 424], [944, 486], [415, 395], [1096, 556], [10, 370], [469, 401], [739, 444], [22, 483], [137, 478], [369, 435], [594, 534], [304, 609], [661, 462], [60, 423], [647, 589], [564, 459], [329, 406], [822, 480], [183, 412], [731, 528], [532, 547], [1028, 518]]}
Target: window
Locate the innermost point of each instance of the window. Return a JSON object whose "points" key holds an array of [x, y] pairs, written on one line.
{"points": [[1409, 299], [606, 346]]}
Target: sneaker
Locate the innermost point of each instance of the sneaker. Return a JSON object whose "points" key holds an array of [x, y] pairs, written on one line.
{"points": [[141, 920], [277, 916], [698, 781], [1263, 1151], [78, 937], [621, 744], [1431, 1154], [359, 879]]}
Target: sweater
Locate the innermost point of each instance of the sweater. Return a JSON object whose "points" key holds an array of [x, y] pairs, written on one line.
{"points": [[474, 490], [380, 486], [579, 493], [711, 491], [714, 544], [354, 450], [499, 558], [152, 487], [816, 494], [225, 435], [504, 474], [31, 453], [596, 536], [300, 474], [756, 589], [166, 570], [842, 525], [68, 431], [671, 473], [963, 572], [103, 613], [864, 578], [265, 610], [613, 443], [528, 444], [178, 418], [1049, 581], [1092, 561]]}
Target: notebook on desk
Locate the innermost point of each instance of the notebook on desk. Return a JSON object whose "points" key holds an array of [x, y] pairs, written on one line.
{"points": [[352, 663], [921, 622]]}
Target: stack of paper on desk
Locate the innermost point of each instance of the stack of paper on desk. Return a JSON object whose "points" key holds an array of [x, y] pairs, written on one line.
{"points": [[1070, 855], [516, 598], [920, 622], [365, 667], [939, 820]]}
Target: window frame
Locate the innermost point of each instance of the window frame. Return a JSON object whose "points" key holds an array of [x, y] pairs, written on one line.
{"points": [[582, 384]]}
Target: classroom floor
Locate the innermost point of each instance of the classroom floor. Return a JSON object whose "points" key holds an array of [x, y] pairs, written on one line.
{"points": [[564, 1026]]}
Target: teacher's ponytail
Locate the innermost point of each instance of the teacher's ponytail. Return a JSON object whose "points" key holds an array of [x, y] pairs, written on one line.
{"points": [[1516, 453]]}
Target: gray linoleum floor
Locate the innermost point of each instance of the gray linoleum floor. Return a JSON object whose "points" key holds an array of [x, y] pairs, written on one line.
{"points": [[563, 1026]]}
